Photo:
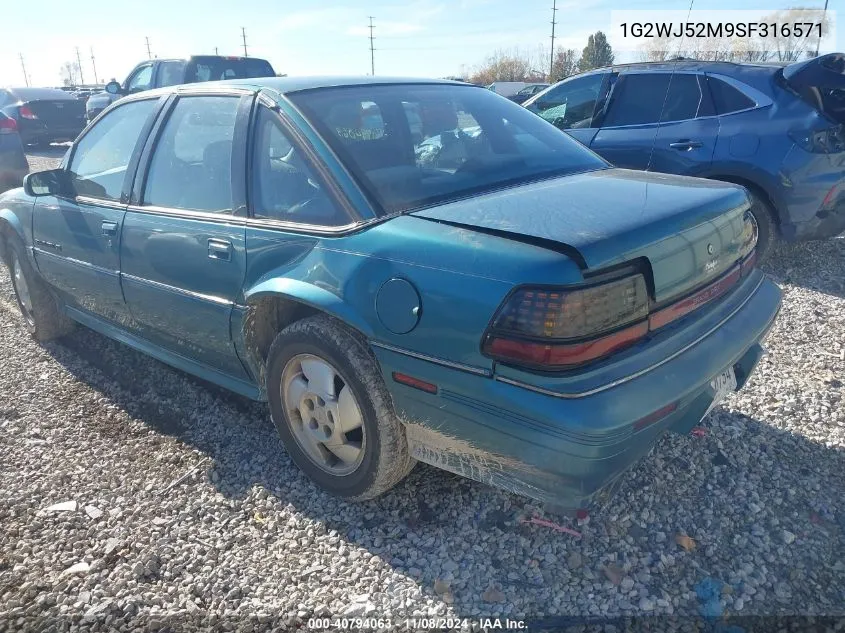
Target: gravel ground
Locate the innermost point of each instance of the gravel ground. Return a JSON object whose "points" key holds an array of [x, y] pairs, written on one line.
{"points": [[179, 504]]}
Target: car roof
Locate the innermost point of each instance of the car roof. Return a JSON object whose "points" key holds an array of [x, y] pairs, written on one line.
{"points": [[285, 85], [34, 94], [723, 67]]}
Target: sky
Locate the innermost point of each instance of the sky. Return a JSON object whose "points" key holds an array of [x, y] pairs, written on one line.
{"points": [[419, 38]]}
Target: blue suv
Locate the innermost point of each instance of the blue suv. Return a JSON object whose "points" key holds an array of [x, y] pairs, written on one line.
{"points": [[778, 130]]}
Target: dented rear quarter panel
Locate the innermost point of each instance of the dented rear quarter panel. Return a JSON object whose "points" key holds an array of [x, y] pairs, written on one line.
{"points": [[461, 276]]}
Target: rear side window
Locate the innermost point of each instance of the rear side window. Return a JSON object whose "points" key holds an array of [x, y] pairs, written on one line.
{"points": [[201, 69], [191, 167], [727, 98], [171, 73], [101, 157]]}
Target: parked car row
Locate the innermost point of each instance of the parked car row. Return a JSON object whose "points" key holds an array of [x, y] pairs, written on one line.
{"points": [[485, 295]]}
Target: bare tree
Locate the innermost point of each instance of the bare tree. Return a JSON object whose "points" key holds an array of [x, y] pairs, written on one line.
{"points": [[790, 48], [503, 65], [565, 64], [70, 73], [784, 48]]}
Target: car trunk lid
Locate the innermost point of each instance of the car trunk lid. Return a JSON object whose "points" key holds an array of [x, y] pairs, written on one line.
{"points": [[690, 230], [58, 113], [815, 80]]}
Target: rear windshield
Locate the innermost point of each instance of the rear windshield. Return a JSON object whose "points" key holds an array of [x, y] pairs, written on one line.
{"points": [[414, 145], [217, 68], [41, 94]]}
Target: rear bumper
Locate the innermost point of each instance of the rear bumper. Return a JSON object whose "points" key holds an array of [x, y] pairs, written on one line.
{"points": [[38, 131], [564, 448], [813, 195]]}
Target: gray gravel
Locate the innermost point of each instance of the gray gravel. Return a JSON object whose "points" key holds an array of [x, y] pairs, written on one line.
{"points": [[132, 491]]}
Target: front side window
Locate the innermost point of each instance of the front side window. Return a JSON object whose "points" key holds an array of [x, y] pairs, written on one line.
{"points": [[411, 145], [284, 186], [191, 167], [101, 157], [141, 80], [571, 104]]}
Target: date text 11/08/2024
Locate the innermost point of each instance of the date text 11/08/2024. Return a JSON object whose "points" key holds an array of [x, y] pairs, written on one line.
{"points": [[422, 623]]}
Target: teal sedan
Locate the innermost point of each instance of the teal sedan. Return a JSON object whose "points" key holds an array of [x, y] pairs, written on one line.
{"points": [[467, 287]]}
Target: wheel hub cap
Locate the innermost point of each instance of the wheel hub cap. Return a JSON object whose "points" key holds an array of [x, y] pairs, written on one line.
{"points": [[322, 414], [21, 287]]}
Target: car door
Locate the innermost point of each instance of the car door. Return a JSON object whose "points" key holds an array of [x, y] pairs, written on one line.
{"points": [[182, 252], [291, 208], [651, 123], [572, 105], [77, 238]]}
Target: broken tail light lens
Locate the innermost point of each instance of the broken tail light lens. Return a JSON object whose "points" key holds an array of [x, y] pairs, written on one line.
{"points": [[560, 328]]}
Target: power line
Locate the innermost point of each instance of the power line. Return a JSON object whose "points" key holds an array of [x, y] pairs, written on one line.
{"points": [[94, 66], [243, 35], [372, 53], [552, 54], [79, 63], [819, 43], [149, 52], [23, 66]]}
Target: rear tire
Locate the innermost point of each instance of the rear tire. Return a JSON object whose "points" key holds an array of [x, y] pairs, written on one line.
{"points": [[322, 379], [766, 227], [39, 308]]}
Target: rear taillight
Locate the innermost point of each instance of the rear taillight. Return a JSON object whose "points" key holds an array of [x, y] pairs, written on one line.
{"points": [[562, 328], [559, 328], [26, 113], [8, 125], [829, 141]]}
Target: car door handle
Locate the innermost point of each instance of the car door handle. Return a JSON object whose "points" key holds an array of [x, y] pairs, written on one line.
{"points": [[220, 249], [685, 145], [109, 229]]}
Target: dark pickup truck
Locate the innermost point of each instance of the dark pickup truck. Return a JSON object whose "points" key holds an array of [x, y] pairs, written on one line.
{"points": [[157, 73]]}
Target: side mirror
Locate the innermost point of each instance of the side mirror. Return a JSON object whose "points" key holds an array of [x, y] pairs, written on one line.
{"points": [[53, 182], [113, 88]]}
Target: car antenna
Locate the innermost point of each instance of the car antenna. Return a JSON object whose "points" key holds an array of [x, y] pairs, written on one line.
{"points": [[679, 57]]}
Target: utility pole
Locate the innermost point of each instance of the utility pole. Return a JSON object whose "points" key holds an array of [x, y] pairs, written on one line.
{"points": [[94, 66], [149, 52], [243, 35], [79, 63], [23, 66], [824, 13], [552, 55], [372, 53]]}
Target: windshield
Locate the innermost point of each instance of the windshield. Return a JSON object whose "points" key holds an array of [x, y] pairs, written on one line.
{"points": [[413, 145], [219, 68]]}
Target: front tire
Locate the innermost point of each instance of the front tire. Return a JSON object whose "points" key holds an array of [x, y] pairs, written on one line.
{"points": [[40, 310], [333, 411]]}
